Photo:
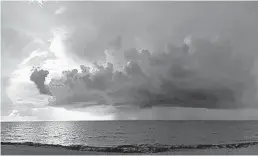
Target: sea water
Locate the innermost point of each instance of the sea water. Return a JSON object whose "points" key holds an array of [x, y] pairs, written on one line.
{"points": [[114, 133]]}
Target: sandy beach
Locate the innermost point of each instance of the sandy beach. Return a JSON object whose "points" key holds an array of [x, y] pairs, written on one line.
{"points": [[31, 150]]}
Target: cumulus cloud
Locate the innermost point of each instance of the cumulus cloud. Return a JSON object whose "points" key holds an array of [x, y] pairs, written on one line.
{"points": [[214, 67], [38, 76], [202, 73]]}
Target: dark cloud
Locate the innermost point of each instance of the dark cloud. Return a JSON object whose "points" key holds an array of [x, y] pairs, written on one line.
{"points": [[201, 74], [38, 76]]}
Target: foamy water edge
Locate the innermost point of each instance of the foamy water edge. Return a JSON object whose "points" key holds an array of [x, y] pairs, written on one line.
{"points": [[137, 148]]}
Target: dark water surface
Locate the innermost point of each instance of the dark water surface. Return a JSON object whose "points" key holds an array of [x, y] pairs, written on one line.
{"points": [[113, 133]]}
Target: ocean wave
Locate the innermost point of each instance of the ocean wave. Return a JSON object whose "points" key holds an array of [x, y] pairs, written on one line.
{"points": [[140, 148]]}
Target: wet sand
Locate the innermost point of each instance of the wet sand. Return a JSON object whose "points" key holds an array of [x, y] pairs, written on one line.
{"points": [[31, 150]]}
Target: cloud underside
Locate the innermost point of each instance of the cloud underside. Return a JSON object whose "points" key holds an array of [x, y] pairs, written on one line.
{"points": [[200, 73]]}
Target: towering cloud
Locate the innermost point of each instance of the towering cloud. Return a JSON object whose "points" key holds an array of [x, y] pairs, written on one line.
{"points": [[38, 76], [203, 73]]}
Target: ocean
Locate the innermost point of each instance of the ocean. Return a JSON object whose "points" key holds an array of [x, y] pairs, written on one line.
{"points": [[121, 133]]}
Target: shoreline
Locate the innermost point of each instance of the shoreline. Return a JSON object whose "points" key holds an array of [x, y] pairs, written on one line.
{"points": [[46, 149], [30, 150]]}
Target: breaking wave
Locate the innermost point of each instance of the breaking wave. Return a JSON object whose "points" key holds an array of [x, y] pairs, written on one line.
{"points": [[138, 148]]}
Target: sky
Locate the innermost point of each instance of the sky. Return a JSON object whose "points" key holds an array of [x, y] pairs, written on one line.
{"points": [[129, 61]]}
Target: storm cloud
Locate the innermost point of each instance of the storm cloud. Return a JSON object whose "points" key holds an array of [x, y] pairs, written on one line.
{"points": [[38, 76], [202, 73], [144, 55]]}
